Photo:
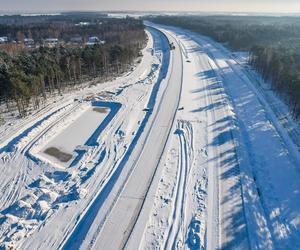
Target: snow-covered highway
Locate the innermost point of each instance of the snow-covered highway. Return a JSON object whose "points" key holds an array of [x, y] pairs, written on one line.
{"points": [[248, 154], [121, 219], [127, 200], [193, 158]]}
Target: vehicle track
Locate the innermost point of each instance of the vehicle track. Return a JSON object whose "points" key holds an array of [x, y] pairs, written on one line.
{"points": [[139, 201], [26, 149], [213, 207], [20, 126], [15, 186], [105, 193], [254, 197], [177, 231]]}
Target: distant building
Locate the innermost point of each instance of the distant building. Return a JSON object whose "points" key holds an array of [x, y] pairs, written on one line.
{"points": [[51, 42], [29, 43], [82, 24], [3, 39], [94, 40]]}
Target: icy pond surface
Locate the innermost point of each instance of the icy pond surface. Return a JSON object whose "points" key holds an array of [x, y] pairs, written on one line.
{"points": [[85, 130]]}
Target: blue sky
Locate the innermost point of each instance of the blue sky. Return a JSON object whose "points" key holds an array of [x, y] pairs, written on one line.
{"points": [[151, 5]]}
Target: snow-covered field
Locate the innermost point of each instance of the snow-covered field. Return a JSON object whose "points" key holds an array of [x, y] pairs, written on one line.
{"points": [[188, 151]]}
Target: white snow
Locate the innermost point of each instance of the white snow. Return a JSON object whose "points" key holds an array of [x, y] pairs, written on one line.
{"points": [[59, 197], [204, 162], [75, 135], [228, 207]]}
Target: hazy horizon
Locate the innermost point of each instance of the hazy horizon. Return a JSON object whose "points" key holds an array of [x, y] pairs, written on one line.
{"points": [[257, 6]]}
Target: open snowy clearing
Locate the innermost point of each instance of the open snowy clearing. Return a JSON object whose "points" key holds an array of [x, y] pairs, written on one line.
{"points": [[185, 152]]}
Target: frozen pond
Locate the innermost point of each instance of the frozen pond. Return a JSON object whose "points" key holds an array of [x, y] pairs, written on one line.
{"points": [[84, 130], [56, 153]]}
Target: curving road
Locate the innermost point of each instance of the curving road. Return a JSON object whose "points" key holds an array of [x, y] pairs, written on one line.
{"points": [[123, 216], [124, 194]]}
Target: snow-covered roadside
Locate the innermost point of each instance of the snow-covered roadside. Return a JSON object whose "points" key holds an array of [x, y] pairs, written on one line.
{"points": [[265, 148], [258, 175], [86, 232], [179, 217], [14, 125], [180, 199], [280, 109], [143, 165], [228, 177], [49, 200]]}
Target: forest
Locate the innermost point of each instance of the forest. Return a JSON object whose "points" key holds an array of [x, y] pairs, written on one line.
{"points": [[66, 27], [273, 44], [29, 76]]}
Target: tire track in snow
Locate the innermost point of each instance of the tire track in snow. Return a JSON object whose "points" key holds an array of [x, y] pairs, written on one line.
{"points": [[213, 202], [12, 189], [248, 187], [51, 238], [224, 176], [26, 149], [175, 222], [85, 223], [176, 235]]}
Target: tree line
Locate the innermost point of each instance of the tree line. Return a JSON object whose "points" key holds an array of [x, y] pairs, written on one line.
{"points": [[282, 68], [108, 29], [28, 77], [273, 44]]}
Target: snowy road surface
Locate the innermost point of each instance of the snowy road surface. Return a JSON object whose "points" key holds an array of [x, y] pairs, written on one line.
{"points": [[248, 154], [122, 218], [84, 236], [194, 158]]}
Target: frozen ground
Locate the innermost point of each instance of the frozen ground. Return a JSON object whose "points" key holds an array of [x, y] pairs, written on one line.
{"points": [[239, 190], [67, 140], [36, 195], [188, 151]]}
